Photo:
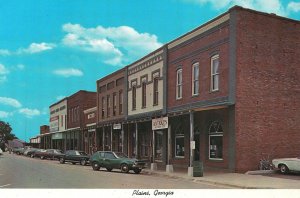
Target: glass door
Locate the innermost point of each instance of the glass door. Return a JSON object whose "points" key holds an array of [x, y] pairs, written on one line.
{"points": [[158, 145]]}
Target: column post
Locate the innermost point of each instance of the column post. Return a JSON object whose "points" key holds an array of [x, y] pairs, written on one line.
{"points": [[190, 168]]}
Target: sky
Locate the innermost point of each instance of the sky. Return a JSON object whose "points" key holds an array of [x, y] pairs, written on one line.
{"points": [[50, 49]]}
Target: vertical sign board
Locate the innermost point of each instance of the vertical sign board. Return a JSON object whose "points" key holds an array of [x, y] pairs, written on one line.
{"points": [[54, 124], [160, 123]]}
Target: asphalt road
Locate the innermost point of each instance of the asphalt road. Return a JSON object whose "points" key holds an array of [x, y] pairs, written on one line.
{"points": [[24, 172]]}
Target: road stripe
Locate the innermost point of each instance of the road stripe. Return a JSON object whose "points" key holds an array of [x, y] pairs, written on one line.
{"points": [[5, 185]]}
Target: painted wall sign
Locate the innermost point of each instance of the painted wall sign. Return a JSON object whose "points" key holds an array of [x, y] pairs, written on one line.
{"points": [[117, 126], [160, 123]]}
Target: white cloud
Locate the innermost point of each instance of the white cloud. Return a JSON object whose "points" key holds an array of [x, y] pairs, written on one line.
{"points": [[36, 48], [269, 6], [294, 6], [4, 114], [10, 102], [3, 70], [29, 112], [4, 52], [111, 43], [60, 97], [68, 72]]}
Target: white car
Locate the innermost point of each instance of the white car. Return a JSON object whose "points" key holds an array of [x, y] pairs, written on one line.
{"points": [[1, 151], [287, 164]]}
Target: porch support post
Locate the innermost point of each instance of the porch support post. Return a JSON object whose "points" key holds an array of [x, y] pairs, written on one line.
{"points": [[111, 134], [136, 140], [153, 164], [122, 136], [169, 167], [103, 138], [191, 169]]}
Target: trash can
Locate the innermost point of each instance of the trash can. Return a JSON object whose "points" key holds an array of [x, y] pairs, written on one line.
{"points": [[197, 169]]}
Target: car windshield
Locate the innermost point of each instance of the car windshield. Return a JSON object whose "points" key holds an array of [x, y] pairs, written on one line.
{"points": [[121, 155]]}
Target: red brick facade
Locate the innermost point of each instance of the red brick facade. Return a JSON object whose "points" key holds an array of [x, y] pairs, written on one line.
{"points": [[76, 104], [267, 88], [44, 129]]}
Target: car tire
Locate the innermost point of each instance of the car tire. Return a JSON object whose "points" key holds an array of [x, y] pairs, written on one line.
{"points": [[83, 162], [32, 155], [137, 171], [96, 166], [42, 157], [124, 168], [73, 163], [61, 160], [283, 169], [109, 169]]}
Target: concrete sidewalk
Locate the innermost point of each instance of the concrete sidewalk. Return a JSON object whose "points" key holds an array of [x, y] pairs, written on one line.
{"points": [[234, 180]]}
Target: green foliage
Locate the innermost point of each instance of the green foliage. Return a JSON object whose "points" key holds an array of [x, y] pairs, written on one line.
{"points": [[5, 132]]}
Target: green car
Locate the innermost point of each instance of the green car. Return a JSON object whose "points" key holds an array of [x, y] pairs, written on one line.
{"points": [[116, 160]]}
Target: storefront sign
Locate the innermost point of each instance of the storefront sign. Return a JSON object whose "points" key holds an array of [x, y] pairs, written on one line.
{"points": [[117, 126], [57, 136], [54, 124], [91, 130], [160, 123]]}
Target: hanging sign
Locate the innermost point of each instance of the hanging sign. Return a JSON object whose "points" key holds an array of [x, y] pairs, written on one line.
{"points": [[160, 123], [117, 126]]}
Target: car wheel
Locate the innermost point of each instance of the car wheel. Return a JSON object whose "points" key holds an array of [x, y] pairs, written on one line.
{"points": [[73, 163], [109, 169], [62, 160], [83, 162], [284, 169], [42, 157], [137, 171], [32, 156], [95, 166], [124, 168]]}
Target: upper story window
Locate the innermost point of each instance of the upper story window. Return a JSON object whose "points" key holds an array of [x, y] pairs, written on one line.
{"points": [[215, 72], [108, 105], [155, 91], [134, 97], [114, 104], [121, 102], [103, 105], [195, 79], [144, 94], [179, 84]]}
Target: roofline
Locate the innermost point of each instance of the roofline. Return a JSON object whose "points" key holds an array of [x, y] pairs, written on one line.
{"points": [[111, 74], [65, 98], [84, 91]]}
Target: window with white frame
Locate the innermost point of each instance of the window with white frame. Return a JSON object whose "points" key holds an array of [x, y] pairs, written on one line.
{"points": [[215, 72], [195, 79], [179, 143], [179, 84], [216, 141]]}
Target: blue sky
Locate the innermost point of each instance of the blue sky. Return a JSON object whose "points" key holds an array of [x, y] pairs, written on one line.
{"points": [[52, 48]]}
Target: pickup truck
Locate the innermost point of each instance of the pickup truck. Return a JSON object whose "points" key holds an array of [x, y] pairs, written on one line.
{"points": [[74, 157]]}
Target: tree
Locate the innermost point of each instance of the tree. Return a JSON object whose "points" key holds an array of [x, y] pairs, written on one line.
{"points": [[5, 134]]}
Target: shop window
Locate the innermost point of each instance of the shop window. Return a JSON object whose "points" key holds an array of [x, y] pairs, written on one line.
{"points": [[215, 73], [179, 143], [216, 141]]}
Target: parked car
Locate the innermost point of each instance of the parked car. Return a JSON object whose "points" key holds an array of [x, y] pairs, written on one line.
{"points": [[287, 164], [25, 150], [49, 154], [1, 152], [74, 157], [116, 160], [18, 150], [31, 152]]}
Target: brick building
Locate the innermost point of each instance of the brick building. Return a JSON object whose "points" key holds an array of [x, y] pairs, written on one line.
{"points": [[111, 107], [235, 91]]}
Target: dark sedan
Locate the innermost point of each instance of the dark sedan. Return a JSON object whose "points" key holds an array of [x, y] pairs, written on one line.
{"points": [[116, 160], [49, 154], [74, 157]]}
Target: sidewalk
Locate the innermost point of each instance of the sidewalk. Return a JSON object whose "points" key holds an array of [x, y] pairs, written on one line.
{"points": [[234, 180]]}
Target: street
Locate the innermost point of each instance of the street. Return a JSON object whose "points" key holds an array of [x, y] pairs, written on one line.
{"points": [[24, 172]]}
